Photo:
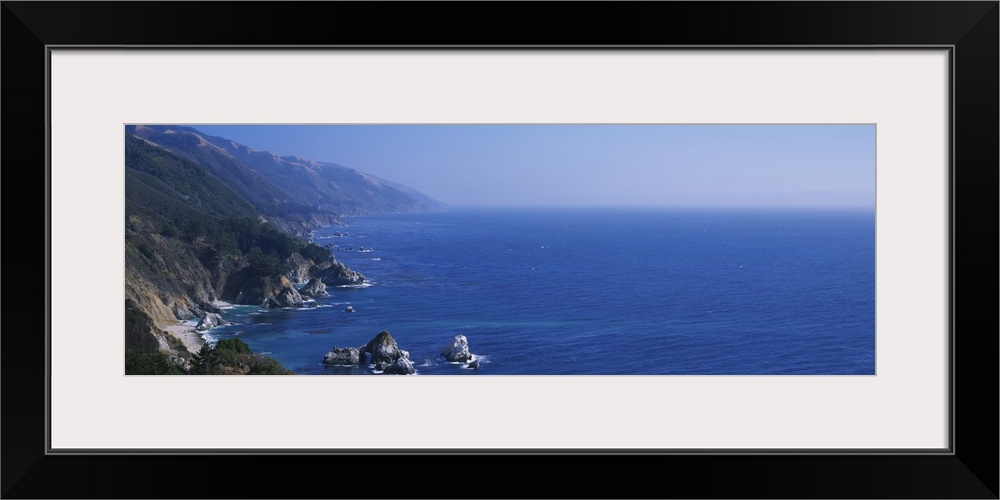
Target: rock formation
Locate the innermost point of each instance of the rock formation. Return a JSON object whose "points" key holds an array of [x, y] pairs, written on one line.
{"points": [[182, 312], [337, 274], [383, 350], [386, 356], [209, 320], [209, 307], [402, 366], [314, 288], [299, 268], [288, 296], [457, 351], [347, 356]]}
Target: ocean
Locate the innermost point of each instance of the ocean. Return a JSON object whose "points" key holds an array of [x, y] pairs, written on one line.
{"points": [[566, 291]]}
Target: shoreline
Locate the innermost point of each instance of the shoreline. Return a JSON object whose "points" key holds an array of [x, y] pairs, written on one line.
{"points": [[186, 334]]}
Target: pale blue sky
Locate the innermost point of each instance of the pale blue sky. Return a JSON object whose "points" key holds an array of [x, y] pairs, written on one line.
{"points": [[606, 165]]}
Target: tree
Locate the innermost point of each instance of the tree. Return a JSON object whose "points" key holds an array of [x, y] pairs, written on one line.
{"points": [[204, 361]]}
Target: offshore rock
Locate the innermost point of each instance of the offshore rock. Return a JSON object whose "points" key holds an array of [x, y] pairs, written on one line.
{"points": [[346, 356], [457, 351], [383, 350], [402, 366], [314, 288]]}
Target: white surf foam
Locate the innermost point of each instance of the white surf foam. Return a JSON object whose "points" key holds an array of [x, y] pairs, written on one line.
{"points": [[361, 285]]}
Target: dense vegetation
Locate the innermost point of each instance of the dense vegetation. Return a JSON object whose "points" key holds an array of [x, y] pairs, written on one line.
{"points": [[139, 362], [177, 198], [244, 187], [233, 356], [177, 213], [227, 357]]}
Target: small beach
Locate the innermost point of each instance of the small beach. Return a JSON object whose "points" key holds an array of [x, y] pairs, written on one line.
{"points": [[186, 333]]}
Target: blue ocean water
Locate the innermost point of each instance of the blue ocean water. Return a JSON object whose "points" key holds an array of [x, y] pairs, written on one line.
{"points": [[594, 291]]}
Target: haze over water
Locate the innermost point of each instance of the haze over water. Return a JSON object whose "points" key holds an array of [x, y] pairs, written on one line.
{"points": [[597, 165]]}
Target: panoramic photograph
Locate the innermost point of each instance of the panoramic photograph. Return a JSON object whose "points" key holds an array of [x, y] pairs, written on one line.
{"points": [[496, 249]]}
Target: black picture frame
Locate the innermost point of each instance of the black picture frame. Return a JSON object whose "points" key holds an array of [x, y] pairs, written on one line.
{"points": [[969, 28]]}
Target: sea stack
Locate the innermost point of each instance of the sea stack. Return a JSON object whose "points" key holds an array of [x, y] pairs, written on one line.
{"points": [[347, 356], [402, 366], [457, 351], [383, 350]]}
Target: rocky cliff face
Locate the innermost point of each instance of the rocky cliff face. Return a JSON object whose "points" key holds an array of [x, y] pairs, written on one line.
{"points": [[251, 287], [314, 288], [299, 268], [286, 296], [165, 278]]}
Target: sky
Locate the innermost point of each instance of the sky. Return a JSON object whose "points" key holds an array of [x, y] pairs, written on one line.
{"points": [[595, 165]]}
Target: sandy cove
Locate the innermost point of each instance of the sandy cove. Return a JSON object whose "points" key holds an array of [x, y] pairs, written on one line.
{"points": [[188, 336], [186, 332]]}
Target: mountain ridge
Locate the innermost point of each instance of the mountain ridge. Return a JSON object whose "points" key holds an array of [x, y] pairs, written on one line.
{"points": [[287, 181]]}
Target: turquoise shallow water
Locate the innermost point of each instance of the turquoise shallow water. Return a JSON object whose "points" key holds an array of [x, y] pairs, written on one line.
{"points": [[592, 291]]}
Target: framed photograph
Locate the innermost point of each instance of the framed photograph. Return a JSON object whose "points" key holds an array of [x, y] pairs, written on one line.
{"points": [[739, 250]]}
